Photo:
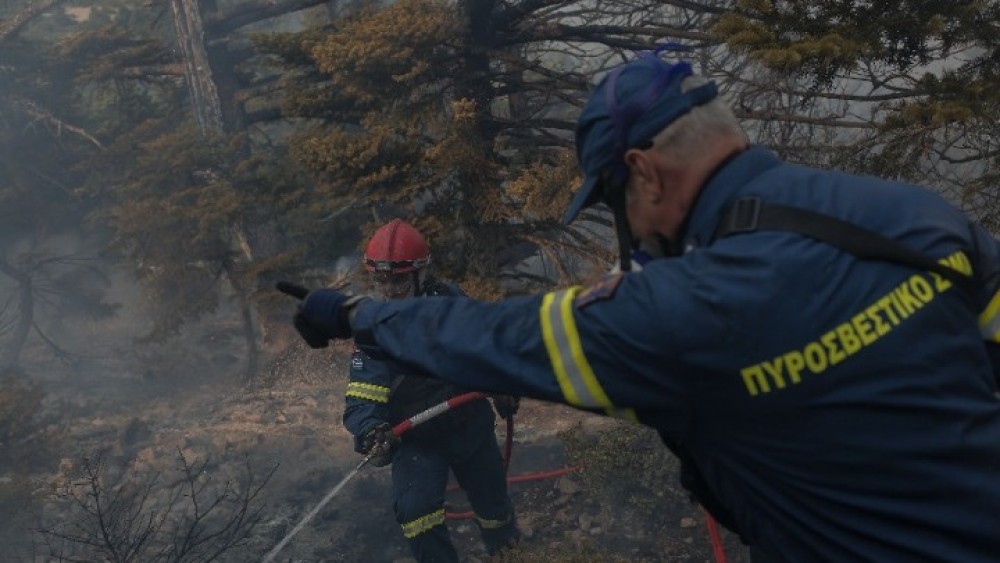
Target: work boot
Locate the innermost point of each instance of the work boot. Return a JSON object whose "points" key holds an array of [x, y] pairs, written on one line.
{"points": [[500, 539]]}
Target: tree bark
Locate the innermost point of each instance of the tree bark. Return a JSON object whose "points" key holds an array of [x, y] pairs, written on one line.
{"points": [[11, 358], [476, 84], [197, 70], [240, 289]]}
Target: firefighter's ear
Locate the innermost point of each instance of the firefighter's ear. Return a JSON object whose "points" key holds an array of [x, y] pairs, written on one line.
{"points": [[644, 179]]}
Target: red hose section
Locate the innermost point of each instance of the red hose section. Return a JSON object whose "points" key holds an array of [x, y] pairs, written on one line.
{"points": [[453, 402], [532, 476], [401, 428], [715, 538], [542, 474]]}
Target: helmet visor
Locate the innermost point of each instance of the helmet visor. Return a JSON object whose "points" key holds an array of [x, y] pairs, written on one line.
{"points": [[393, 286]]}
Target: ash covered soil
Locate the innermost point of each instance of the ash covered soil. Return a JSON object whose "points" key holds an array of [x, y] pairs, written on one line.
{"points": [[291, 423]]}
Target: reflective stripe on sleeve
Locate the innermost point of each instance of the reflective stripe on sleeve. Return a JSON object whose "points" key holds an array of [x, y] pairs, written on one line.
{"points": [[576, 378], [989, 320], [368, 392]]}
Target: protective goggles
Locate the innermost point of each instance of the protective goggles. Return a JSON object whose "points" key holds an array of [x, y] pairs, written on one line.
{"points": [[395, 266]]}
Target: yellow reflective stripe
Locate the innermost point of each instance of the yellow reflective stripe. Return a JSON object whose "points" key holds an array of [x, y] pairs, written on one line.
{"points": [[489, 524], [989, 320], [367, 391], [548, 336], [416, 527], [576, 378]]}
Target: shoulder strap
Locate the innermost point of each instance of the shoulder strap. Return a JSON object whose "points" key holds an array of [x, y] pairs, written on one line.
{"points": [[749, 214]]}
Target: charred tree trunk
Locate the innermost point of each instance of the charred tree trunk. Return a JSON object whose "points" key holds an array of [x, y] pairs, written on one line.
{"points": [[249, 327], [10, 361], [476, 83], [217, 97], [197, 70], [207, 106]]}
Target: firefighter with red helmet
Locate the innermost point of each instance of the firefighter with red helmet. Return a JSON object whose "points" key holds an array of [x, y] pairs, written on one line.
{"points": [[462, 440]]}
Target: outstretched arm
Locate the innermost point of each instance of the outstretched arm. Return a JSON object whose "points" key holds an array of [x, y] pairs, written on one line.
{"points": [[609, 348], [573, 346]]}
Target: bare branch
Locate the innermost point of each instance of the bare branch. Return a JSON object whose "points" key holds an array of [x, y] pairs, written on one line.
{"points": [[10, 26], [34, 111]]}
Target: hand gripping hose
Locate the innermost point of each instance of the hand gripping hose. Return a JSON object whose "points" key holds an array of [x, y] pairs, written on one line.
{"points": [[397, 430]]}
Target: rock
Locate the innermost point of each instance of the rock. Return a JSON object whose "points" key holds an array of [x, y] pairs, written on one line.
{"points": [[688, 522], [561, 517], [567, 486], [526, 524], [585, 521]]}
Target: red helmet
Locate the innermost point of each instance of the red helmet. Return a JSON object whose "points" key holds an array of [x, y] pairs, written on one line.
{"points": [[396, 248]]}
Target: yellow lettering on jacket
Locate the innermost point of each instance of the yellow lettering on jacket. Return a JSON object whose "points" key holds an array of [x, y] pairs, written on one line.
{"points": [[863, 329]]}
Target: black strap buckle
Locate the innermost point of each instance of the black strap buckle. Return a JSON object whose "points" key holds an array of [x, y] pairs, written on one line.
{"points": [[742, 217]]}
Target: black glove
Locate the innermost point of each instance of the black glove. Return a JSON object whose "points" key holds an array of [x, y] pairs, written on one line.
{"points": [[312, 335], [506, 405], [322, 315], [380, 443]]}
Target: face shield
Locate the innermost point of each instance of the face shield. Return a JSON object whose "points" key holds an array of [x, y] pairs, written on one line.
{"points": [[388, 285]]}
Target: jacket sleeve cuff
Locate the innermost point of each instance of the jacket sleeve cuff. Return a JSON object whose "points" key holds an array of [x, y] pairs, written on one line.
{"points": [[362, 320]]}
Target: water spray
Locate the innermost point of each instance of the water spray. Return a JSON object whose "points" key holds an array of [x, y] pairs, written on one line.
{"points": [[397, 431]]}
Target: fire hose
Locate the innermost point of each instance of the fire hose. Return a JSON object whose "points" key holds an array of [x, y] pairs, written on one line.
{"points": [[397, 430], [424, 416]]}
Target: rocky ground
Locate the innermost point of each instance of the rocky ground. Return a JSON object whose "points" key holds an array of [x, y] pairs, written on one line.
{"points": [[290, 423]]}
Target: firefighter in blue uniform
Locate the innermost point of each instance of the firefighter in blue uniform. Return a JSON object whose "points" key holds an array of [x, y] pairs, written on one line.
{"points": [[378, 397], [831, 391]]}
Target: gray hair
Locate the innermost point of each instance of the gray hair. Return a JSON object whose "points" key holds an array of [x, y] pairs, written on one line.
{"points": [[693, 132]]}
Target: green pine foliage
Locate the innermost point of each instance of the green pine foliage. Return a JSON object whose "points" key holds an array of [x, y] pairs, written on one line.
{"points": [[820, 38], [407, 120], [922, 76], [403, 141]]}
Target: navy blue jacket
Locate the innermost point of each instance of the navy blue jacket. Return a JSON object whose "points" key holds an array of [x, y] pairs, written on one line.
{"points": [[840, 409], [378, 391]]}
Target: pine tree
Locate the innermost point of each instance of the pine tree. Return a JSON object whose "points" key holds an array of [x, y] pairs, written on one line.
{"points": [[918, 81]]}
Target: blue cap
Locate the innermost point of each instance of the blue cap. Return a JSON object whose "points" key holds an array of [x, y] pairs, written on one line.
{"points": [[630, 105]]}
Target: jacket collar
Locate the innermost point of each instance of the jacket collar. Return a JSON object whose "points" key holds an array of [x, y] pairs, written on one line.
{"points": [[723, 187]]}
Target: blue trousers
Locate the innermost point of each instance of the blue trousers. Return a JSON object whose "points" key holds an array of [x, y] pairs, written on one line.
{"points": [[465, 443]]}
